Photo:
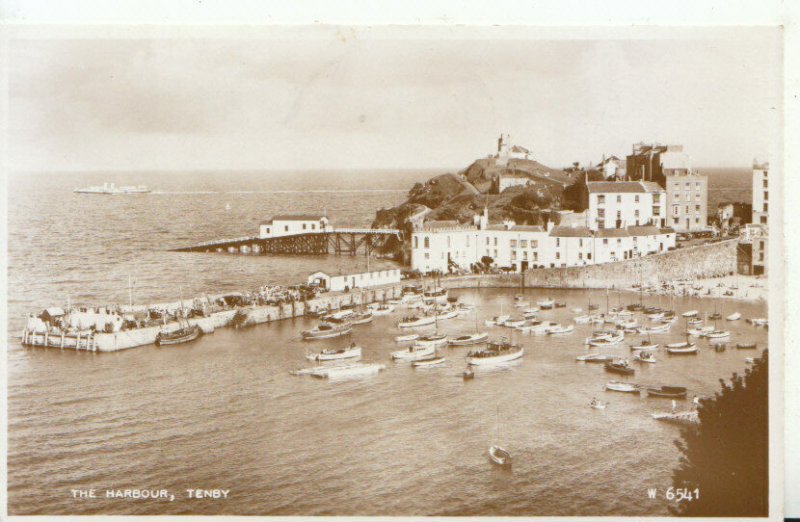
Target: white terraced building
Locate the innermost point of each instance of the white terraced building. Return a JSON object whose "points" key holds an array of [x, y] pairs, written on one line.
{"points": [[620, 204], [340, 282], [287, 225], [442, 245]]}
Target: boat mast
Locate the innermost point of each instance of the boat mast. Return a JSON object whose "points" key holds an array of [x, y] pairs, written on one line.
{"points": [[130, 292]]}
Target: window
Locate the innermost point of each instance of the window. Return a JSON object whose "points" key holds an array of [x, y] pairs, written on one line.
{"points": [[427, 255], [536, 256], [268, 230], [601, 212], [304, 226], [766, 206], [468, 241], [448, 241], [656, 211], [534, 243], [764, 220], [558, 241], [698, 196], [580, 242], [601, 223], [636, 213], [697, 208], [688, 185], [766, 195], [416, 242], [687, 209], [698, 184], [675, 221], [589, 255], [495, 243], [513, 254], [525, 255], [558, 255], [523, 243], [513, 243], [619, 214], [495, 253], [286, 228], [677, 185], [487, 241], [427, 242], [697, 220], [619, 198], [765, 183], [619, 241], [601, 199], [580, 255], [636, 198], [313, 226], [761, 256], [676, 210], [656, 198], [605, 241]]}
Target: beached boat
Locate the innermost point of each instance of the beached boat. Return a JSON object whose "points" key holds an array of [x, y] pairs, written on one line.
{"points": [[595, 358], [406, 338], [682, 348], [416, 321], [495, 353], [717, 334], [466, 340], [327, 330], [619, 367], [182, 335], [690, 313], [560, 330], [414, 352], [734, 317], [623, 387], [750, 346], [332, 354], [669, 392], [679, 417]]}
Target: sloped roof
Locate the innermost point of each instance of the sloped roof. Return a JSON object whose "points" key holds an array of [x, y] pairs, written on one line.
{"points": [[571, 232], [442, 224], [605, 187], [519, 148], [646, 230], [294, 217]]}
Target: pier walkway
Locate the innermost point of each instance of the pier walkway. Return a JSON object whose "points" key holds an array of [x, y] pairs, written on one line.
{"points": [[338, 241]]}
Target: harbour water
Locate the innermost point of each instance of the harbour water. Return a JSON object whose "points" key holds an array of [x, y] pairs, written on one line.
{"points": [[224, 412]]}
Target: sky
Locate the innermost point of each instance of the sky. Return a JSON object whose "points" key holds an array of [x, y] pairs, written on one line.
{"points": [[383, 98]]}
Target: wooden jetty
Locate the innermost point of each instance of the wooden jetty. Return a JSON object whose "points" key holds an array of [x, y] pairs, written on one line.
{"points": [[341, 241]]}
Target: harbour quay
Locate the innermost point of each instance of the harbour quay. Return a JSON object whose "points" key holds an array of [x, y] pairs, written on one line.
{"points": [[115, 327]]}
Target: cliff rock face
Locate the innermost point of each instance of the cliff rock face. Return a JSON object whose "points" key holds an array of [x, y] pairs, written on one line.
{"points": [[461, 196]]}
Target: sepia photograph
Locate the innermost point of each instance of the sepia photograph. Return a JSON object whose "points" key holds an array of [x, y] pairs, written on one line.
{"points": [[332, 270]]}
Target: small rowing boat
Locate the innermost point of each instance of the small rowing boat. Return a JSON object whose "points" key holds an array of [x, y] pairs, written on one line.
{"points": [[667, 392], [595, 358], [734, 316], [332, 355], [619, 367], [466, 340], [561, 330], [750, 346], [645, 357], [682, 348], [623, 387], [429, 363], [406, 338]]}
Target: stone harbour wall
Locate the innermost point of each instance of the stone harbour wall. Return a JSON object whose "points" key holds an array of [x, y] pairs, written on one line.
{"points": [[710, 260]]}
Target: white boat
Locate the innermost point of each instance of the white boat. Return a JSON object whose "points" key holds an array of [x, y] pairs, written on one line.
{"points": [[669, 320], [498, 320], [607, 341], [694, 322], [657, 316], [416, 321], [561, 330], [595, 357], [661, 328], [718, 334], [332, 355], [645, 357], [495, 353], [645, 346], [682, 348], [497, 454], [749, 360], [734, 316], [546, 304], [629, 325], [406, 338], [690, 313], [327, 331], [577, 310], [530, 313], [537, 327], [428, 363], [340, 371], [598, 405], [382, 309], [700, 332], [623, 387], [433, 341], [395, 302], [111, 189], [415, 352], [466, 340], [759, 322], [337, 316], [514, 323], [679, 417], [446, 314], [583, 319], [361, 318], [521, 304]]}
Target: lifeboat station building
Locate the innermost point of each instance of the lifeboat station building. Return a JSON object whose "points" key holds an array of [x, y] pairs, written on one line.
{"points": [[287, 225], [342, 282]]}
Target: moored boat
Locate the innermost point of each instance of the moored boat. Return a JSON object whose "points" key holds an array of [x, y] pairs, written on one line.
{"points": [[645, 357], [547, 304], [361, 318], [749, 346], [350, 352], [621, 366], [406, 338], [416, 321], [496, 352], [690, 313], [382, 309], [327, 330], [182, 335], [561, 330], [429, 362], [717, 334], [660, 328], [644, 346], [435, 295], [595, 358], [734, 317], [610, 340], [669, 392], [498, 320], [466, 340], [414, 352], [682, 348], [432, 340], [623, 387]]}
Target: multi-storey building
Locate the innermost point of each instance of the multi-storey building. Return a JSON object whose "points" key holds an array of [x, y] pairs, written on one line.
{"points": [[620, 204], [444, 245], [687, 202], [287, 225], [760, 193]]}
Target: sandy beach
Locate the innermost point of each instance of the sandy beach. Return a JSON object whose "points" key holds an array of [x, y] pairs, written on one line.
{"points": [[740, 287]]}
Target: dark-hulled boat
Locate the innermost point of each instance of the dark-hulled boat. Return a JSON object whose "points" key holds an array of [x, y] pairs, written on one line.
{"points": [[669, 392], [751, 346], [619, 367], [183, 334]]}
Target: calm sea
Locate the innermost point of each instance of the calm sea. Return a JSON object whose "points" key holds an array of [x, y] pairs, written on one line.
{"points": [[224, 412]]}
